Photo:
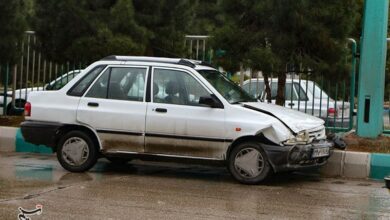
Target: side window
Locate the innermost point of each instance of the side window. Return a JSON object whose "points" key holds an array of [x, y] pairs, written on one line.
{"points": [[254, 88], [120, 83], [99, 88], [290, 91], [274, 90], [64, 80], [301, 92], [176, 87], [287, 92], [127, 84], [81, 86]]}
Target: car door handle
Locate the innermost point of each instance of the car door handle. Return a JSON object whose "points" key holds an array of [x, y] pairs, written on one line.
{"points": [[291, 104], [93, 104], [162, 110]]}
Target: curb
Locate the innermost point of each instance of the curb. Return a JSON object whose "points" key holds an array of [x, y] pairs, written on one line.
{"points": [[22, 146], [340, 164], [380, 165], [7, 139]]}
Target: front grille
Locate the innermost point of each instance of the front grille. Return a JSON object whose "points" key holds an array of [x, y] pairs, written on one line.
{"points": [[318, 133]]}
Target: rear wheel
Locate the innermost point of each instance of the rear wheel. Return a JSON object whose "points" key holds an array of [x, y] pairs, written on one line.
{"points": [[248, 163], [77, 152]]}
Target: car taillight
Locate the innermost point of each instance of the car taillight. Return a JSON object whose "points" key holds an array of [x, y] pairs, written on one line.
{"points": [[27, 109], [332, 112]]}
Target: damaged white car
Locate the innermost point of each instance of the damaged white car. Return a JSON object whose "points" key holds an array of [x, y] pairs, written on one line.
{"points": [[148, 108]]}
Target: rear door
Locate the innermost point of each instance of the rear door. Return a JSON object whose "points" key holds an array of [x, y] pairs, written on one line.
{"points": [[115, 107]]}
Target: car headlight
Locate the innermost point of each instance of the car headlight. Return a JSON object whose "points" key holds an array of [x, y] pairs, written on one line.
{"points": [[301, 138]]}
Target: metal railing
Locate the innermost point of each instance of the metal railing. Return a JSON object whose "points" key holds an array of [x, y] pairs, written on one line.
{"points": [[33, 72], [386, 107], [197, 48], [313, 93]]}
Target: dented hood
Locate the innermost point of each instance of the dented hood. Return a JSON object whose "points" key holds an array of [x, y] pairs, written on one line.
{"points": [[295, 120]]}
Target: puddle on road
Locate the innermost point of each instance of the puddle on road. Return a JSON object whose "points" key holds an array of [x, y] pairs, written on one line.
{"points": [[338, 182], [30, 170], [35, 172], [364, 184]]}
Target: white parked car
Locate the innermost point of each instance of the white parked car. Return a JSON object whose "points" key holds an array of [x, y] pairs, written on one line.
{"points": [[160, 108], [305, 96], [21, 95]]}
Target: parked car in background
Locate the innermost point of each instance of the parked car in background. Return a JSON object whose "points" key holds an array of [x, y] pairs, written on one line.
{"points": [[305, 96], [21, 95], [161, 108]]}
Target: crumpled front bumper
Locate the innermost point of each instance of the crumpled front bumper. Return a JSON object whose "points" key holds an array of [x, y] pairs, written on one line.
{"points": [[296, 157]]}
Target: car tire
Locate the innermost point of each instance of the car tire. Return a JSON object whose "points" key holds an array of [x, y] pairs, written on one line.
{"points": [[248, 163], [11, 111], [77, 152]]}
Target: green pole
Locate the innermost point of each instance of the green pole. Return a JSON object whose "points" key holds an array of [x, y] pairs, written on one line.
{"points": [[372, 68], [353, 81], [5, 96]]}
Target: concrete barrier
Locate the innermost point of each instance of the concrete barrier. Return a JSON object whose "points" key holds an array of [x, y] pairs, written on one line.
{"points": [[380, 166], [7, 139], [22, 146], [356, 165], [335, 165]]}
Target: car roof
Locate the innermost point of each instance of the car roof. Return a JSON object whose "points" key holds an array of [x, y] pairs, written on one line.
{"points": [[254, 80]]}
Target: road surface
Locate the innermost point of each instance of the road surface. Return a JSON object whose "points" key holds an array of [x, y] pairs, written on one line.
{"points": [[145, 190]]}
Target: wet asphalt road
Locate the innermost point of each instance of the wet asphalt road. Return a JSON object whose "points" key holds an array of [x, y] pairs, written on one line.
{"points": [[144, 190]]}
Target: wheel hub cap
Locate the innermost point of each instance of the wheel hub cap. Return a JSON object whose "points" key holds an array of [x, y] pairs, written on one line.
{"points": [[249, 162], [75, 151]]}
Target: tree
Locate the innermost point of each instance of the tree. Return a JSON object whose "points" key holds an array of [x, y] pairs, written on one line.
{"points": [[12, 27], [167, 22], [88, 30], [267, 35], [207, 17]]}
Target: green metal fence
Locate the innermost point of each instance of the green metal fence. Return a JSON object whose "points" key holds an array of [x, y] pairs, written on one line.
{"points": [[33, 72], [313, 93]]}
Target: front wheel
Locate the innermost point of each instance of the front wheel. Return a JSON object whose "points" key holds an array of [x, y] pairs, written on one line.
{"points": [[248, 163], [76, 152]]}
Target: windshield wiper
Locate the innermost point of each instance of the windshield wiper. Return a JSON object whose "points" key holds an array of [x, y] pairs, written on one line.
{"points": [[238, 102]]}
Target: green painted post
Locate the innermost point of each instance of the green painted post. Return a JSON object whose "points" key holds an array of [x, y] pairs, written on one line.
{"points": [[353, 81], [5, 96], [372, 68]]}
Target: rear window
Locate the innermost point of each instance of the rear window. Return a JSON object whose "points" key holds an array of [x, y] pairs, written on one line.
{"points": [[81, 86]]}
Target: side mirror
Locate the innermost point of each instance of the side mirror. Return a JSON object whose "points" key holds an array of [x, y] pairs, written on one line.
{"points": [[211, 101]]}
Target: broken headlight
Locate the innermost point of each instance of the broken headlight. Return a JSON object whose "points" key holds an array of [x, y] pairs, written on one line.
{"points": [[301, 138]]}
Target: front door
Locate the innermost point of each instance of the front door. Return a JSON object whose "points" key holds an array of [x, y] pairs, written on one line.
{"points": [[115, 107], [176, 124]]}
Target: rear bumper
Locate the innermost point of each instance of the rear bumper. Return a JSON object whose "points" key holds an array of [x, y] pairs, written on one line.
{"points": [[297, 157], [38, 133]]}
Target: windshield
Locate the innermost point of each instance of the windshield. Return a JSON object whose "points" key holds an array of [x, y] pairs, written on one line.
{"points": [[227, 88]]}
